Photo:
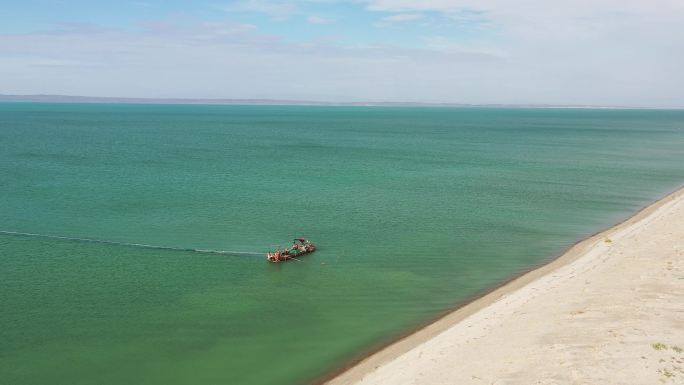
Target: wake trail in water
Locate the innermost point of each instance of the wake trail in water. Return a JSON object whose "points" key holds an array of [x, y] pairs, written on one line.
{"points": [[139, 245]]}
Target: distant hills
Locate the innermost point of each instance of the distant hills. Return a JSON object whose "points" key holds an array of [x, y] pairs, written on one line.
{"points": [[102, 99]]}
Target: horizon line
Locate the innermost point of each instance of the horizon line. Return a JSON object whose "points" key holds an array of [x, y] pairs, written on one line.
{"points": [[59, 98]]}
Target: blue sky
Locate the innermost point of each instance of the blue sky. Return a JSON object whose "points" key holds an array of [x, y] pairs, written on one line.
{"points": [[612, 52], [348, 22]]}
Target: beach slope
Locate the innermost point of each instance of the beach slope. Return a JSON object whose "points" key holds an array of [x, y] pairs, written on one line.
{"points": [[609, 311]]}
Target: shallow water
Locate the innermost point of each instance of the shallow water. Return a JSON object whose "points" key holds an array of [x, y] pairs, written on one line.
{"points": [[414, 210]]}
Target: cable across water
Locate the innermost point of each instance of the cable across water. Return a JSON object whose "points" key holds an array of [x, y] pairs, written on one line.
{"points": [[140, 245]]}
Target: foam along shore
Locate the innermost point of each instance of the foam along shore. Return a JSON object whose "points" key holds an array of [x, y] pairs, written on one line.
{"points": [[608, 311]]}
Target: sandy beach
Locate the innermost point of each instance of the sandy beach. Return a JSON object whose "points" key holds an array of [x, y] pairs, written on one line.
{"points": [[608, 311]]}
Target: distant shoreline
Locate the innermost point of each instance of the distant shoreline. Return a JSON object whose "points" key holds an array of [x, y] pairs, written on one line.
{"points": [[40, 98], [378, 364]]}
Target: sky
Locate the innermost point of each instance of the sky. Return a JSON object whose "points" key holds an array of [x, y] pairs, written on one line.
{"points": [[568, 52]]}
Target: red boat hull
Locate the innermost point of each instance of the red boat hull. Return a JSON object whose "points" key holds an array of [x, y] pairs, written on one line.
{"points": [[305, 247]]}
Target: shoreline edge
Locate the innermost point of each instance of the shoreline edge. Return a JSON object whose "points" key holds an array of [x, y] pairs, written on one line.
{"points": [[356, 369]]}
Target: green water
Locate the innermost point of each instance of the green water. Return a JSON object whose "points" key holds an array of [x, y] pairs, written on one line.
{"points": [[413, 210]]}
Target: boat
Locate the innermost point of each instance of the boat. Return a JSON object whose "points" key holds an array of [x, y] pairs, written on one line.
{"points": [[300, 246]]}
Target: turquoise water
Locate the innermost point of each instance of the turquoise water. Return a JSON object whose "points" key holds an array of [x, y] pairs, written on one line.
{"points": [[414, 210]]}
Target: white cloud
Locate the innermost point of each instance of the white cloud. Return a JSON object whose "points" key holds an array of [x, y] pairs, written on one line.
{"points": [[599, 51], [279, 10], [412, 5], [313, 19], [197, 61], [541, 15], [403, 17]]}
